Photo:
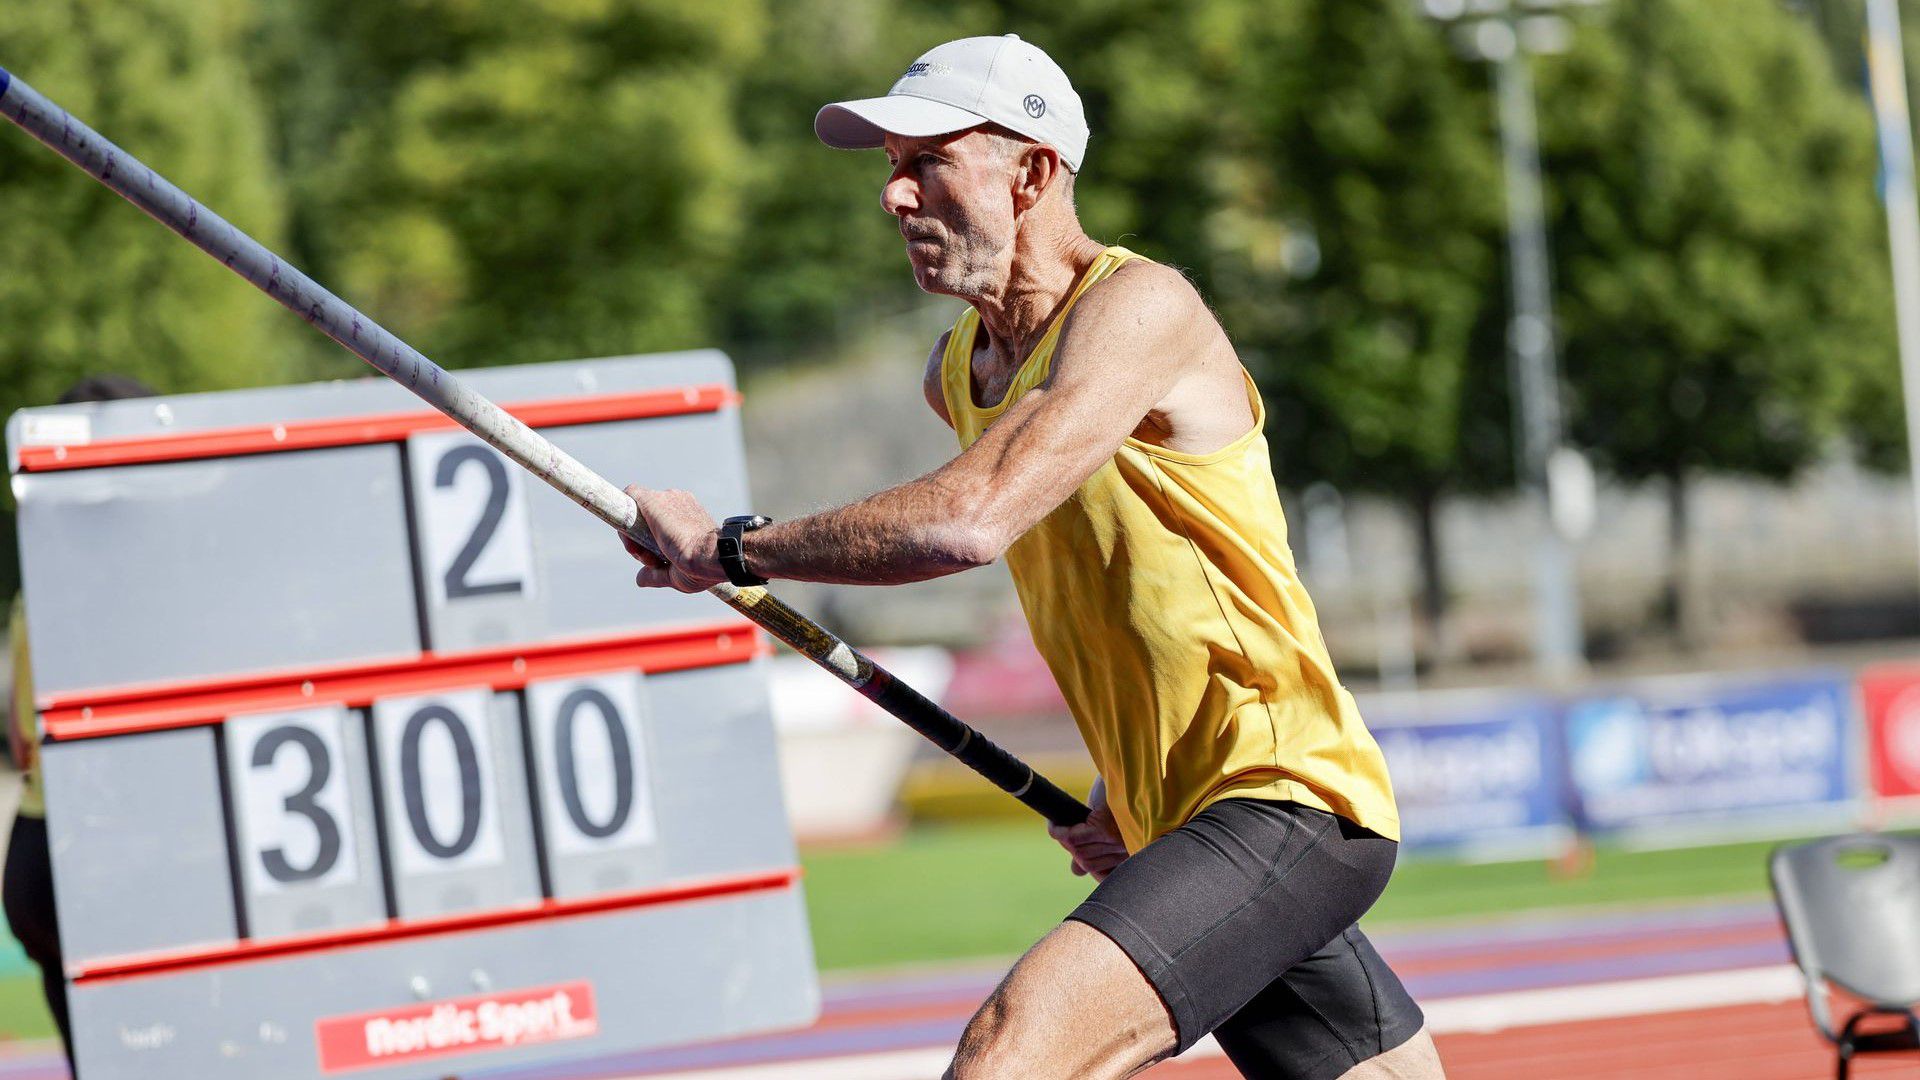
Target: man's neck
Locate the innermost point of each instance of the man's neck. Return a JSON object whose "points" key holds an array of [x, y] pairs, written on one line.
{"points": [[1044, 270]]}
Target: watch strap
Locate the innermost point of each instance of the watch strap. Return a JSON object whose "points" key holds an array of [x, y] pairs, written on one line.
{"points": [[731, 548]]}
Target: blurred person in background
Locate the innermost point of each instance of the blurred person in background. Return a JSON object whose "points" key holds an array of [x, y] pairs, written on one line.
{"points": [[1113, 453], [28, 886]]}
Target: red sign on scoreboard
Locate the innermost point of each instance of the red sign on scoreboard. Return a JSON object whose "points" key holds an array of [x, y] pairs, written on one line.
{"points": [[1892, 699], [433, 1029]]}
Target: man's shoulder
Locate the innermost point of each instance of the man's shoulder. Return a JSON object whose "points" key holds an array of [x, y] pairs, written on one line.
{"points": [[1144, 279], [1143, 297]]}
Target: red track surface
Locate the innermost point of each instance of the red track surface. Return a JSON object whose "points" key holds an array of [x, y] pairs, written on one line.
{"points": [[1740, 1042]]}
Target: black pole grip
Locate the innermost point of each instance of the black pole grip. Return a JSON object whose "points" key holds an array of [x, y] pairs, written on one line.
{"points": [[974, 750], [878, 685]]}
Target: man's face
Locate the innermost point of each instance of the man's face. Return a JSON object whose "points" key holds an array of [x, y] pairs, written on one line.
{"points": [[954, 199]]}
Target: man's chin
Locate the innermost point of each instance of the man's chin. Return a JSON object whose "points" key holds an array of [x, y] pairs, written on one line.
{"points": [[931, 275]]}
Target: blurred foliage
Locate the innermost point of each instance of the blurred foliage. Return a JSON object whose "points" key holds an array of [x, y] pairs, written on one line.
{"points": [[514, 182], [91, 285], [1720, 253], [1875, 416]]}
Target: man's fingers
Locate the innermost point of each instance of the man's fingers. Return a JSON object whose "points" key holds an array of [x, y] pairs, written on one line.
{"points": [[655, 577], [635, 549], [644, 556], [1085, 834]]}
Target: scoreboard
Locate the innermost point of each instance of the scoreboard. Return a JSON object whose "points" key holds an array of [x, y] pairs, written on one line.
{"points": [[362, 753]]}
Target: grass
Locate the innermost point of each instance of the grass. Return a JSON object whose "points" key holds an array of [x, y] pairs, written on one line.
{"points": [[23, 1012], [990, 889]]}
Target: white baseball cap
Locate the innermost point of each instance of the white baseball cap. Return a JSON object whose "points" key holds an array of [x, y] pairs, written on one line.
{"points": [[963, 84]]}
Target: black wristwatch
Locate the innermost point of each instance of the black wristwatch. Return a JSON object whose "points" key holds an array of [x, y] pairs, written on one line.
{"points": [[733, 554]]}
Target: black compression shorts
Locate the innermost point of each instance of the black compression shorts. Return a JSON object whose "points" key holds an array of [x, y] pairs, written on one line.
{"points": [[1243, 921]]}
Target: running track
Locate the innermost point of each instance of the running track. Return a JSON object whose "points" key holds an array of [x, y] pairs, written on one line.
{"points": [[1686, 992], [1692, 992]]}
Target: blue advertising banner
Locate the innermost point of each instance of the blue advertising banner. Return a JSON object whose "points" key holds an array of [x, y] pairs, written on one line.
{"points": [[1699, 751], [1475, 771]]}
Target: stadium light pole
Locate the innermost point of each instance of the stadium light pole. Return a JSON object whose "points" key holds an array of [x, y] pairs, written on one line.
{"points": [[1887, 85], [1503, 34]]}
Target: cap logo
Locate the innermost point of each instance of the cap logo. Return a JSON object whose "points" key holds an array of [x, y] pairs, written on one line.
{"points": [[1035, 105], [925, 68]]}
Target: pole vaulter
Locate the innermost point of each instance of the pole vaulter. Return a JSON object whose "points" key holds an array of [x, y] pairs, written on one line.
{"points": [[167, 204]]}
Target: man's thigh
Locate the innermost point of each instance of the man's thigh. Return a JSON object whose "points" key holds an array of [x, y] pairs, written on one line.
{"points": [[1073, 1007], [1215, 911]]}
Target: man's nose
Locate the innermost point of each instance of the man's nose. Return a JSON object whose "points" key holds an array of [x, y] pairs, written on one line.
{"points": [[900, 196]]}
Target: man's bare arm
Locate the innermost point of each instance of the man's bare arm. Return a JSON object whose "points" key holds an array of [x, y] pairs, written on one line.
{"points": [[1127, 343]]}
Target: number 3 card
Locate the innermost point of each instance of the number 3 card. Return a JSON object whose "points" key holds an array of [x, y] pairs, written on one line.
{"points": [[301, 820]]}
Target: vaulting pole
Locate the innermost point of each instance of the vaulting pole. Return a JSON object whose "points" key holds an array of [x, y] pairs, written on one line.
{"points": [[167, 204]]}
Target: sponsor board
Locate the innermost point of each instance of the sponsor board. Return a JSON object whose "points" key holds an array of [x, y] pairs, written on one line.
{"points": [[1698, 750], [1473, 770], [1890, 696], [432, 1029]]}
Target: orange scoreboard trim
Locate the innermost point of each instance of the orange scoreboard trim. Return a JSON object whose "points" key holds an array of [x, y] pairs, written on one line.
{"points": [[360, 430], [161, 963], [87, 714]]}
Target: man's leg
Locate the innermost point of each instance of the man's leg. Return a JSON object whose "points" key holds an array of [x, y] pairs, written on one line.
{"points": [[1074, 1007], [28, 895]]}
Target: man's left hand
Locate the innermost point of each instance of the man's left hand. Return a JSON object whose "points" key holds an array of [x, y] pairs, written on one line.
{"points": [[675, 540], [1095, 845]]}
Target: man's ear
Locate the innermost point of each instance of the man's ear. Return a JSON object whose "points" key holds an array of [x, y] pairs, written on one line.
{"points": [[1039, 169]]}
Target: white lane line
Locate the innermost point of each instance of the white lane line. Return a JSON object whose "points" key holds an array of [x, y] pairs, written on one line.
{"points": [[1600, 1001], [893, 1065], [1472, 1013]]}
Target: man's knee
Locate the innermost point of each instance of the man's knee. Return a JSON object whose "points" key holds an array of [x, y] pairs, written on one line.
{"points": [[1074, 1006], [985, 1048]]}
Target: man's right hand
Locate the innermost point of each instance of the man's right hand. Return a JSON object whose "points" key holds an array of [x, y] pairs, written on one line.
{"points": [[1094, 845]]}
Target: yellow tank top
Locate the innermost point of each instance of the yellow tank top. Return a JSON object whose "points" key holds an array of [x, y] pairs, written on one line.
{"points": [[1164, 598]]}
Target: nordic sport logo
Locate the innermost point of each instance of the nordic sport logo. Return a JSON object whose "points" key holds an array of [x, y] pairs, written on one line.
{"points": [[476, 1024]]}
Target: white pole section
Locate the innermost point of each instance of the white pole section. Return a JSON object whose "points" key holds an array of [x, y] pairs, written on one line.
{"points": [[1887, 77]]}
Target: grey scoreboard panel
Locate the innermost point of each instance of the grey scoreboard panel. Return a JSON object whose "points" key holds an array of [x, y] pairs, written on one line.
{"points": [[356, 740]]}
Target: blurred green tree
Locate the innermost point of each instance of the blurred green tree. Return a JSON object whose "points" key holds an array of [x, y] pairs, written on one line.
{"points": [[1876, 413], [1366, 279], [96, 285], [817, 253], [504, 183], [1720, 255]]}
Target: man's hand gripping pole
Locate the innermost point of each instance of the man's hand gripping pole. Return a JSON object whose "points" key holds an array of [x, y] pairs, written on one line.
{"points": [[149, 191]]}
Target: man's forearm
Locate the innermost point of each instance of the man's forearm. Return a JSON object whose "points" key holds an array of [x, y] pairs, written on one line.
{"points": [[919, 530]]}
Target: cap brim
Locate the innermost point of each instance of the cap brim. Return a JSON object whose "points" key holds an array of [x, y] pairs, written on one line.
{"points": [[865, 124]]}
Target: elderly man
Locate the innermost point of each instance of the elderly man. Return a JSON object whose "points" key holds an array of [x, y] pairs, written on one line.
{"points": [[1112, 452]]}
